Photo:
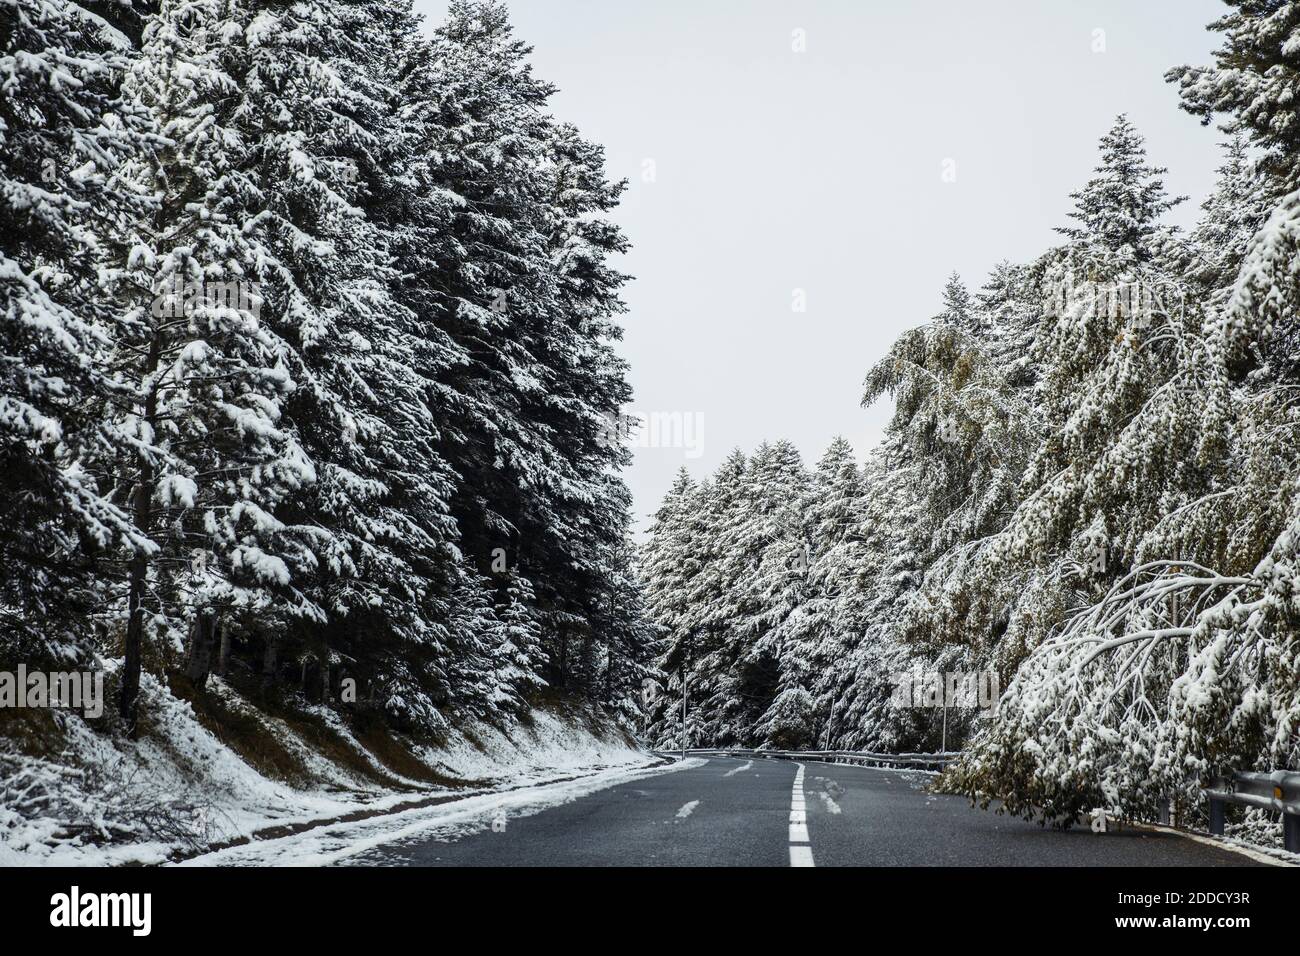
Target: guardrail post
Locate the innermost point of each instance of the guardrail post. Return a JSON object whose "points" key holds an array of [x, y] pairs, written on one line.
{"points": [[1218, 816], [1291, 832]]}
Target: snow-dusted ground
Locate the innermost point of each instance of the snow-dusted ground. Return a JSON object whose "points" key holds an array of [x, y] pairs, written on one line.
{"points": [[348, 843], [180, 772]]}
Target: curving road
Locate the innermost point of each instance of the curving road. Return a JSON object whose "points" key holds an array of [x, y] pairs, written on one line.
{"points": [[732, 812]]}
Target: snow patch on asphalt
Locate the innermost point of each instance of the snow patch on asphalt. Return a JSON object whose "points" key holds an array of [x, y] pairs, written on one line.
{"points": [[687, 809], [735, 770], [829, 803]]}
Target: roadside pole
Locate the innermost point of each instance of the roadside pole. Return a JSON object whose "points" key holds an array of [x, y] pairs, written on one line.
{"points": [[943, 741], [683, 712], [826, 736]]}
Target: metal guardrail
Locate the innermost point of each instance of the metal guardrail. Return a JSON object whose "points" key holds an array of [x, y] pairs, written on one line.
{"points": [[1278, 791], [936, 761]]}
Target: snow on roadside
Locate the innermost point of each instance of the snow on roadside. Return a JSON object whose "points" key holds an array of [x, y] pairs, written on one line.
{"points": [[182, 771], [346, 843], [546, 749], [179, 768]]}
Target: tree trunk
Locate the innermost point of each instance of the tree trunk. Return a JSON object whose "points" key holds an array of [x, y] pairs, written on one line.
{"points": [[586, 678], [137, 579], [198, 661], [223, 655], [134, 635], [268, 666], [325, 681]]}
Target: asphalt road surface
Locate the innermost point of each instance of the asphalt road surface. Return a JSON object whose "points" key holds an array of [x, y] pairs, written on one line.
{"points": [[734, 812]]}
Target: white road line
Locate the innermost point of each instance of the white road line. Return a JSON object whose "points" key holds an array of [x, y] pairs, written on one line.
{"points": [[800, 848], [1217, 842], [801, 856]]}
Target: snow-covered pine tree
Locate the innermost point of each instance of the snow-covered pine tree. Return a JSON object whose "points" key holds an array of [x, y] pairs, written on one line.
{"points": [[1253, 83], [695, 622], [407, 192], [756, 547], [204, 380], [486, 140], [504, 252], [1119, 209], [965, 424], [586, 386], [1231, 217], [1119, 337], [492, 669], [1236, 703], [466, 103], [835, 519], [885, 567], [676, 552], [783, 628], [64, 136], [1010, 304], [302, 329], [1124, 519], [962, 421], [958, 306], [628, 641], [518, 656], [666, 561], [323, 136]]}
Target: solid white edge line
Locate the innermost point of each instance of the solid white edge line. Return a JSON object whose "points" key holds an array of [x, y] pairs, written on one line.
{"points": [[1245, 851]]}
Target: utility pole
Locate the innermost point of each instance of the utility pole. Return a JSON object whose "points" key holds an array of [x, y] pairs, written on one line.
{"points": [[826, 737], [943, 741], [647, 702], [683, 711]]}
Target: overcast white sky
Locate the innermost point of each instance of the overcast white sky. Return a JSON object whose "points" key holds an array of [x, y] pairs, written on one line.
{"points": [[822, 170]]}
